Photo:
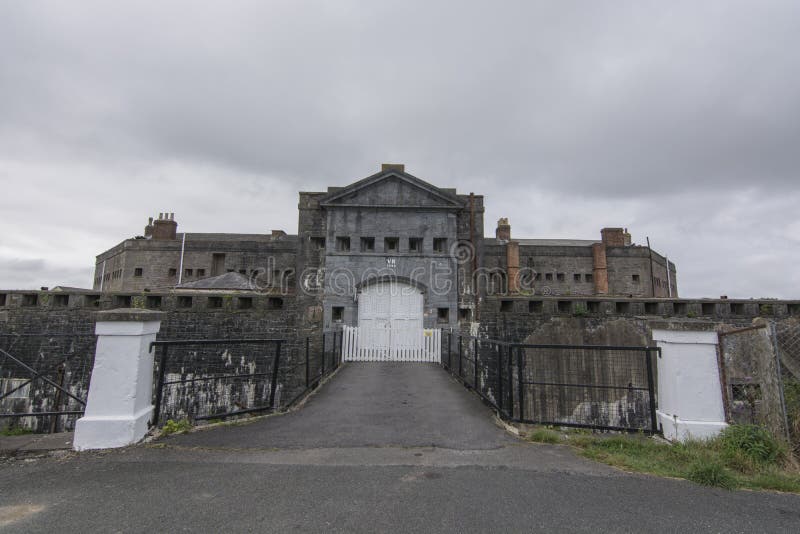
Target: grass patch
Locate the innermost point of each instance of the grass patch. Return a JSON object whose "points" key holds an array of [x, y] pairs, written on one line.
{"points": [[544, 435], [176, 427], [15, 431], [741, 457]]}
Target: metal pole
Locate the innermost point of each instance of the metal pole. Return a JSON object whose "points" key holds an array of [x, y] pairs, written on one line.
{"points": [[651, 391], [449, 347], [500, 377], [510, 383], [162, 369], [520, 385], [308, 370], [773, 333], [275, 364]]}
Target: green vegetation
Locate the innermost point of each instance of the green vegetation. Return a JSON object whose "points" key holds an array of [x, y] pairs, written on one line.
{"points": [[15, 431], [176, 427], [743, 456], [580, 311]]}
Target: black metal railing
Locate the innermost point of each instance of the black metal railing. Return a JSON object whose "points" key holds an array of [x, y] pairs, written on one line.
{"points": [[221, 378], [591, 386], [44, 379]]}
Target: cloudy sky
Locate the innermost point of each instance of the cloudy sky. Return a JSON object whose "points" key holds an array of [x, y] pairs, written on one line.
{"points": [[678, 120]]}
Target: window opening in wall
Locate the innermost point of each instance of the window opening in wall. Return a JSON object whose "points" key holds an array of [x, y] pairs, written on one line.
{"points": [[122, 301], [593, 306], [737, 308], [564, 306], [443, 315], [651, 308], [274, 303], [317, 242], [138, 271], [560, 277], [30, 300], [440, 244], [588, 277], [535, 306], [415, 244], [367, 244], [506, 305], [243, 271], [391, 244], [679, 308], [343, 244], [201, 272], [576, 277], [91, 301], [623, 307], [153, 301], [173, 271], [465, 314], [793, 309], [184, 302], [245, 303], [217, 264], [61, 300], [548, 276], [230, 270], [337, 314], [188, 272], [214, 302], [635, 278], [708, 308]]}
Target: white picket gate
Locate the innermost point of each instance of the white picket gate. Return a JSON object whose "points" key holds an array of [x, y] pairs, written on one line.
{"points": [[365, 344]]}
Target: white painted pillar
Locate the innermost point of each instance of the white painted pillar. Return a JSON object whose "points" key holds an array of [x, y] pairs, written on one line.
{"points": [[689, 393], [119, 405]]}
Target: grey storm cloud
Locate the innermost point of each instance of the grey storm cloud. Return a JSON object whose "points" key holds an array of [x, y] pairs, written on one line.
{"points": [[678, 119]]}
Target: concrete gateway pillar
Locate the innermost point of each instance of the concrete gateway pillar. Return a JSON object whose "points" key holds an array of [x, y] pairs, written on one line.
{"points": [[119, 405]]}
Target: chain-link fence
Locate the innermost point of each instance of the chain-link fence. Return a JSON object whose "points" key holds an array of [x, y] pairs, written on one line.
{"points": [[787, 334]]}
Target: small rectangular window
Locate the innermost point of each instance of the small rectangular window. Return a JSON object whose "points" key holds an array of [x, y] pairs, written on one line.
{"points": [[737, 308], [243, 271], [635, 278], [122, 301], [506, 305], [317, 242], [245, 303], [679, 308], [138, 272], [184, 302], [274, 303], [443, 315], [201, 272], [367, 244], [792, 309], [560, 277], [564, 306], [548, 276], [588, 277], [593, 306], [576, 277], [708, 308], [188, 272], [415, 244], [214, 302], [61, 300], [337, 314], [391, 244], [440, 245], [91, 301], [464, 314], [31, 299], [651, 308], [343, 244], [173, 272], [535, 306], [153, 302], [623, 308]]}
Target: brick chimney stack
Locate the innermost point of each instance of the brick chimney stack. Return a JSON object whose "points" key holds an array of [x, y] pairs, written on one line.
{"points": [[613, 237], [148, 230], [503, 232], [393, 167], [165, 227]]}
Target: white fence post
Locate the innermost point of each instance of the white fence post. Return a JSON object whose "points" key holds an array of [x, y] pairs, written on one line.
{"points": [[690, 402], [119, 405]]}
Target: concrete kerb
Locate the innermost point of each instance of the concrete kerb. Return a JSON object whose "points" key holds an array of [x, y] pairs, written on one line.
{"points": [[155, 433]]}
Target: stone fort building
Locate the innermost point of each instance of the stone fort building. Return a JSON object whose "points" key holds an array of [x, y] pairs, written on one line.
{"points": [[388, 233]]}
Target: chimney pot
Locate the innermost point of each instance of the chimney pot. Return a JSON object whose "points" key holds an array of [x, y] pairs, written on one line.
{"points": [[393, 167]]}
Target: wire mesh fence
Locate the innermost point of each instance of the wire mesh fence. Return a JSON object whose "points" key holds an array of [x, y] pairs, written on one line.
{"points": [[787, 338], [44, 379]]}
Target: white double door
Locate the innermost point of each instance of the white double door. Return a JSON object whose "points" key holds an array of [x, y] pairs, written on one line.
{"points": [[390, 323]]}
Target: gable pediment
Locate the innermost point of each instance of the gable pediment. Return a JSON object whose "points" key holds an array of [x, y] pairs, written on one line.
{"points": [[392, 189]]}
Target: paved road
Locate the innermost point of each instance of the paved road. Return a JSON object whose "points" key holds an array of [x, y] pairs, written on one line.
{"points": [[314, 471]]}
